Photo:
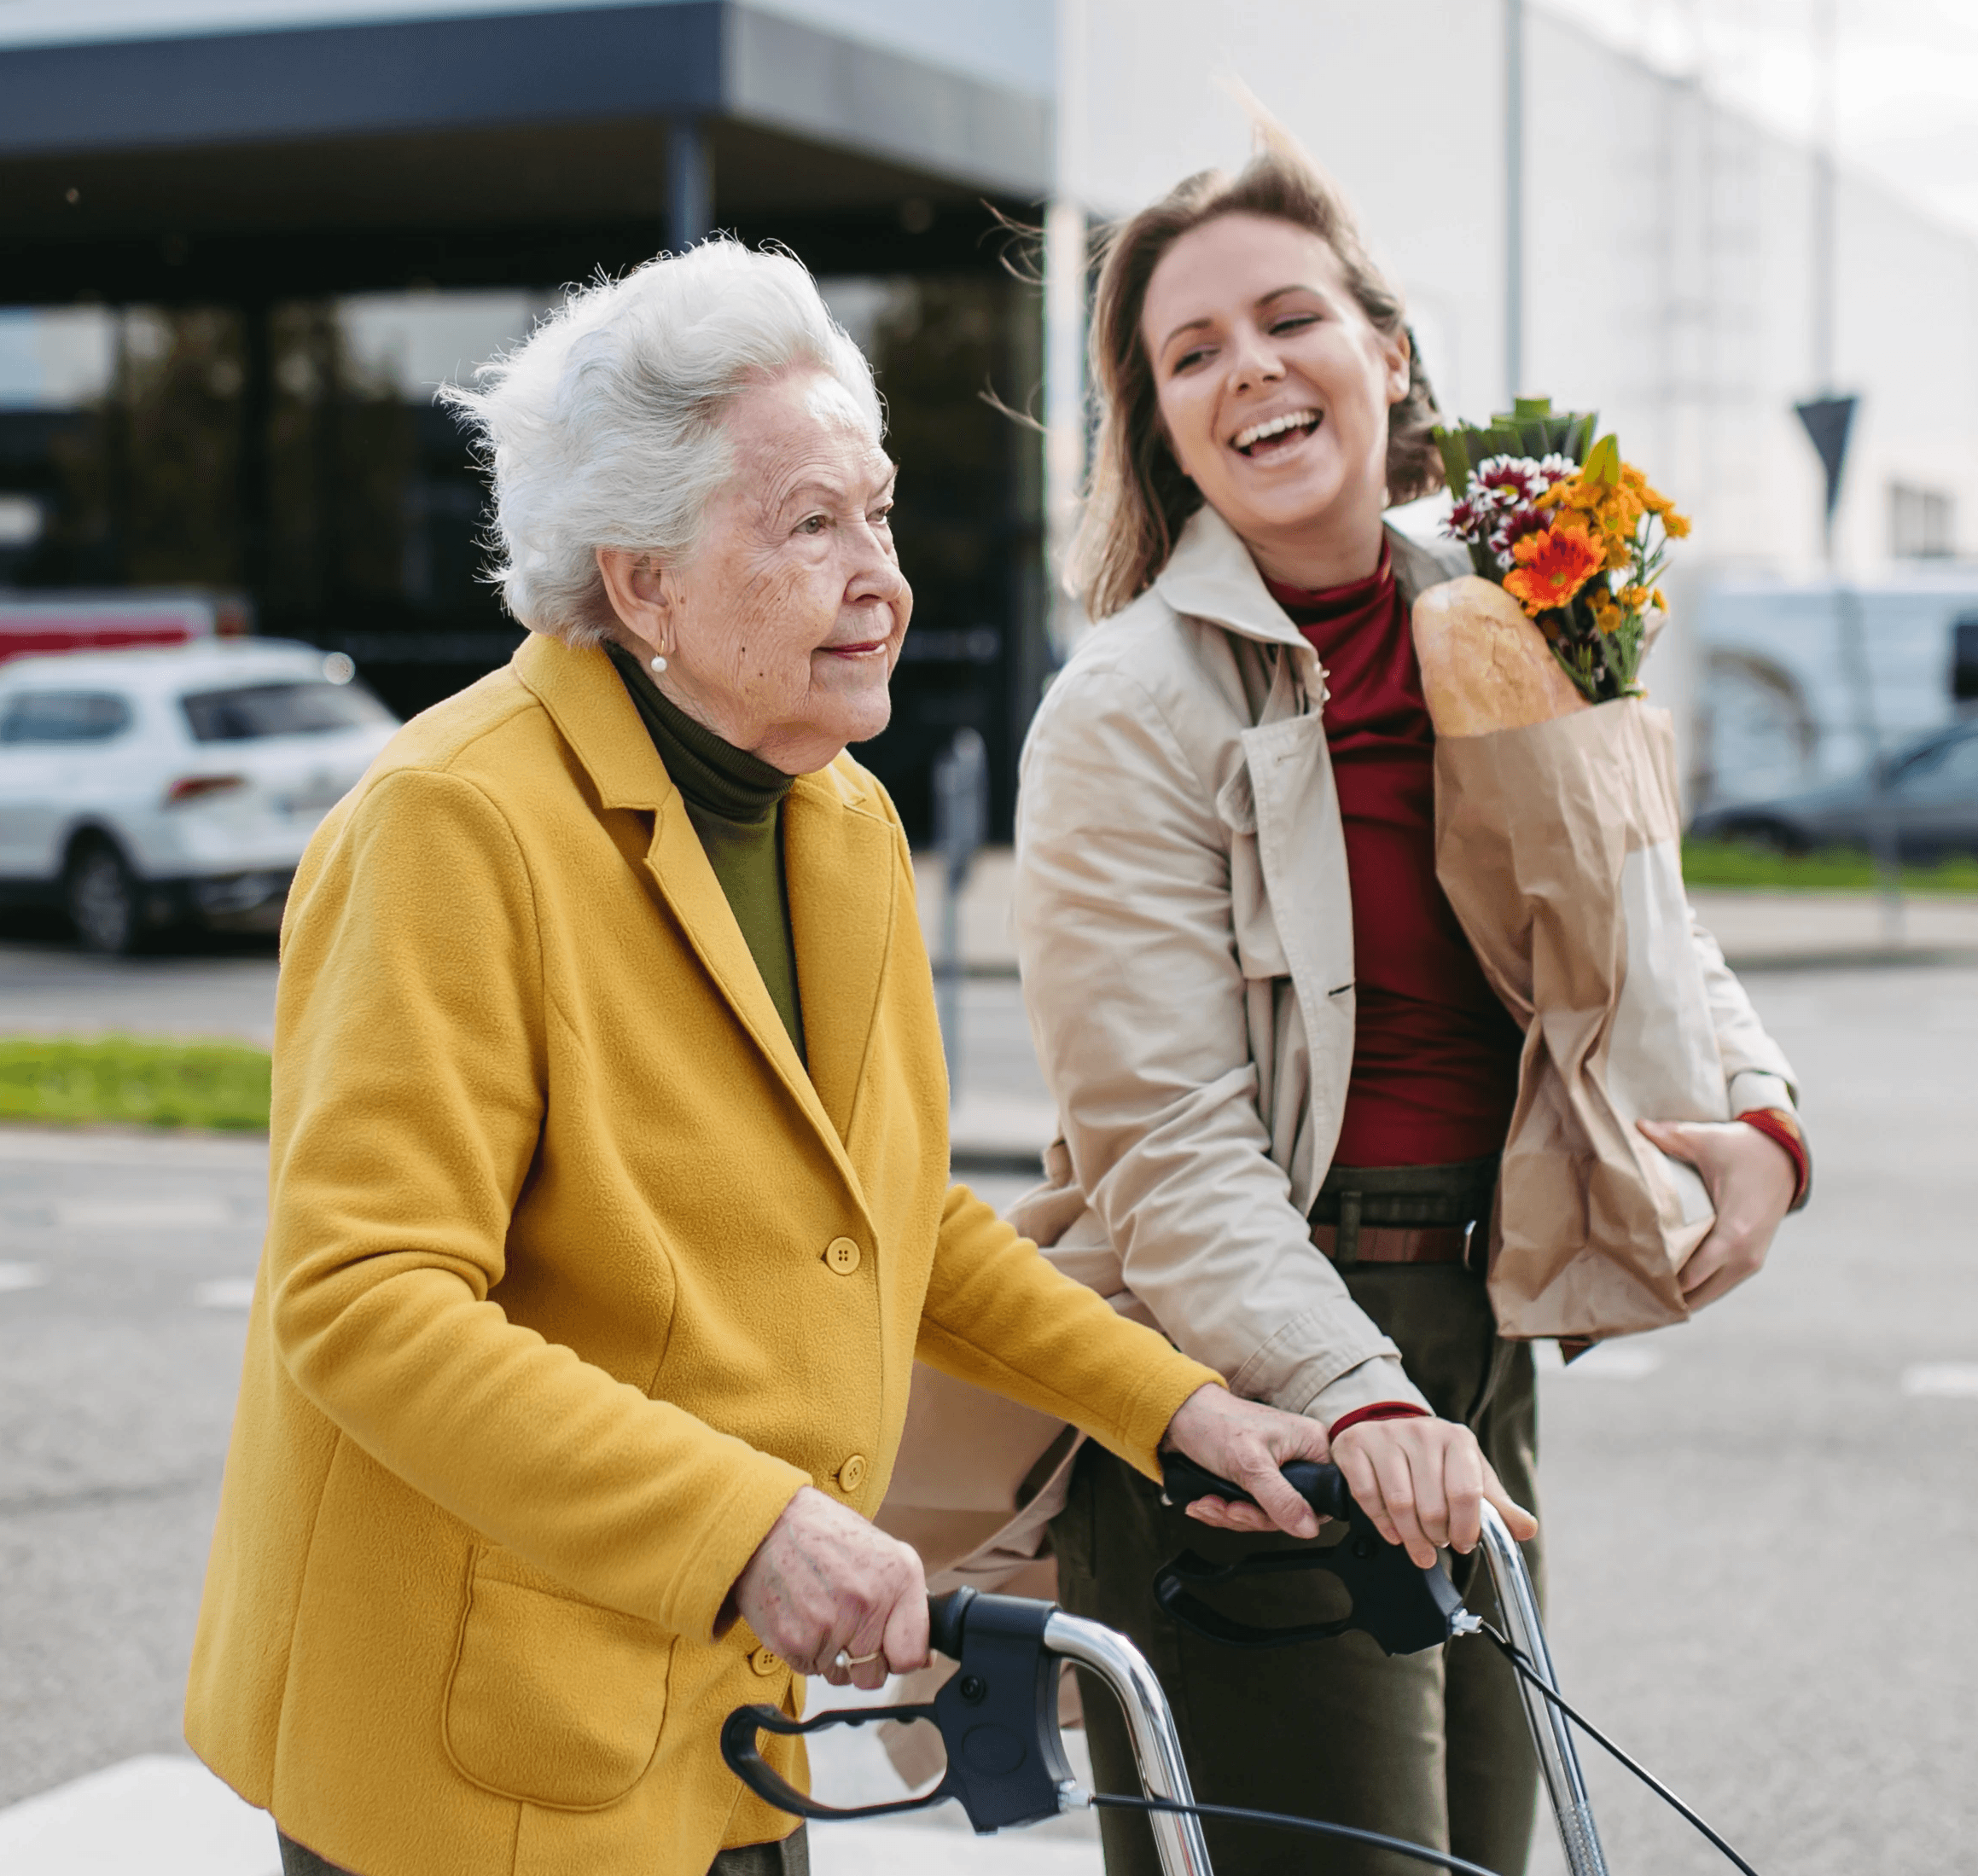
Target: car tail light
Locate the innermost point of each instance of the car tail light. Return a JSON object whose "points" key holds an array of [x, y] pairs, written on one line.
{"points": [[199, 787]]}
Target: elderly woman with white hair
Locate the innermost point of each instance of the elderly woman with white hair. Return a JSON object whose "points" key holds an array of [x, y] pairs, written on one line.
{"points": [[609, 1207]]}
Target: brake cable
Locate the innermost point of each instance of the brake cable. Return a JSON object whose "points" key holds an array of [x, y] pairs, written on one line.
{"points": [[1403, 1605], [1518, 1659], [1284, 1821]]}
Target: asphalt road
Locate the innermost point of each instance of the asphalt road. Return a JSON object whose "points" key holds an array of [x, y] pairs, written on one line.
{"points": [[1759, 1541]]}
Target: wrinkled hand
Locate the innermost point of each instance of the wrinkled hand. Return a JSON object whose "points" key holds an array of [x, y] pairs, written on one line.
{"points": [[825, 1582], [1247, 1443], [1751, 1180], [1423, 1482]]}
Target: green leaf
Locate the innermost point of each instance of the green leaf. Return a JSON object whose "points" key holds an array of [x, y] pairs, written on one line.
{"points": [[1455, 457], [1603, 460]]}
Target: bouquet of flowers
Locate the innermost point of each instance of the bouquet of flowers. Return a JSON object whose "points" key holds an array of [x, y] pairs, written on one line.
{"points": [[1557, 832], [1571, 531]]}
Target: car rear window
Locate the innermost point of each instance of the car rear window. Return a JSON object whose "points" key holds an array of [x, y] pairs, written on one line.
{"points": [[64, 716], [312, 707]]}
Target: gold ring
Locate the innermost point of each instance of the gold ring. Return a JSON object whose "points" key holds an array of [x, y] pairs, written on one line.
{"points": [[861, 1661]]}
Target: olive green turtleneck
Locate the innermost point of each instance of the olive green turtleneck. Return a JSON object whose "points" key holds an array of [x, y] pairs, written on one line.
{"points": [[735, 801]]}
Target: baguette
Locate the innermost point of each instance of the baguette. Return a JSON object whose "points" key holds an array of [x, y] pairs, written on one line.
{"points": [[1485, 667]]}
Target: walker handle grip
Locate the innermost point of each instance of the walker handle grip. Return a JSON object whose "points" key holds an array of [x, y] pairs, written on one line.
{"points": [[1322, 1487], [1403, 1606], [947, 1619]]}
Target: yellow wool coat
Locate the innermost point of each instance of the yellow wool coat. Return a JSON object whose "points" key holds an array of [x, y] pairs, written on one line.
{"points": [[574, 1276]]}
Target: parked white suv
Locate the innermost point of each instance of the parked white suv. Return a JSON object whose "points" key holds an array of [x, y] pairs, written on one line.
{"points": [[141, 789]]}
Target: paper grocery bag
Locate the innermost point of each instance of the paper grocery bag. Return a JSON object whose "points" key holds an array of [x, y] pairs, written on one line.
{"points": [[977, 1480], [1559, 847]]}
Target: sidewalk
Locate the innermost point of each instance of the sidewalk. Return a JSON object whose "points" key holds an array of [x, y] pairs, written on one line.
{"points": [[168, 1816], [1759, 929]]}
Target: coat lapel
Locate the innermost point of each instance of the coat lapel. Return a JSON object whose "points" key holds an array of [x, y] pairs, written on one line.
{"points": [[841, 864], [587, 701]]}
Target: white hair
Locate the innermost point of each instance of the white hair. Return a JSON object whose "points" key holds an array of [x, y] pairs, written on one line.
{"points": [[605, 426]]}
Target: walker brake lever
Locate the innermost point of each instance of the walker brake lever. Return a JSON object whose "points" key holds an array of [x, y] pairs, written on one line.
{"points": [[998, 1715], [1403, 1606]]}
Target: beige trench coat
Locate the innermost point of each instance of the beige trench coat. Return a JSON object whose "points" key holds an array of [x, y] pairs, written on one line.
{"points": [[1184, 928]]}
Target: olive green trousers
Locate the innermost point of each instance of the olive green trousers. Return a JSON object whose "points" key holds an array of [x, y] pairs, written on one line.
{"points": [[791, 1857], [1432, 1747]]}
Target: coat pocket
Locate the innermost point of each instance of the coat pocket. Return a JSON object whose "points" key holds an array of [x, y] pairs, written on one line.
{"points": [[552, 1700]]}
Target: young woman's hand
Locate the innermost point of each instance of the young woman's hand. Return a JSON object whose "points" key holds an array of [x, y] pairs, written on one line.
{"points": [[1751, 1180], [1423, 1482]]}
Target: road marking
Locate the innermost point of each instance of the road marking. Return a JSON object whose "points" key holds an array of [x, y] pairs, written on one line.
{"points": [[227, 1293], [193, 1214], [1942, 1380], [21, 1276], [170, 1816]]}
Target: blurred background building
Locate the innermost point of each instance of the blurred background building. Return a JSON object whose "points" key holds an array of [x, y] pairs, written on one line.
{"points": [[242, 241]]}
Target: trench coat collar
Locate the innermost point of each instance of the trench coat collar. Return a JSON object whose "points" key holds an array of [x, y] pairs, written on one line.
{"points": [[839, 861], [1211, 575]]}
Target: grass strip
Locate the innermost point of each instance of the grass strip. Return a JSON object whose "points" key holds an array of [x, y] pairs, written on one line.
{"points": [[134, 1081], [1834, 869]]}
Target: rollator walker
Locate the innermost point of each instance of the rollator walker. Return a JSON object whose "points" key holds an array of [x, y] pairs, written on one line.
{"points": [[997, 1714]]}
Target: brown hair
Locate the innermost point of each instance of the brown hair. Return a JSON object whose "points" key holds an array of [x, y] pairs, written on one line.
{"points": [[1139, 497]]}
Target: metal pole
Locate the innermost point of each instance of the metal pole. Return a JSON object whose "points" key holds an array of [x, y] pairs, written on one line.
{"points": [[1551, 1732], [690, 184], [1064, 328], [1514, 199], [1826, 61], [1156, 1745], [961, 787]]}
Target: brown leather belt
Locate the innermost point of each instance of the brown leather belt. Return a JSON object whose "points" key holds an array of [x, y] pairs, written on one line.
{"points": [[1399, 1244]]}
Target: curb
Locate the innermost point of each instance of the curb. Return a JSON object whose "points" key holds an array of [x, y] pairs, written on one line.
{"points": [[1876, 957]]}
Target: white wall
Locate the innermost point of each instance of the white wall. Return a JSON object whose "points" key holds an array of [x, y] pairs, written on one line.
{"points": [[1667, 242], [1429, 194]]}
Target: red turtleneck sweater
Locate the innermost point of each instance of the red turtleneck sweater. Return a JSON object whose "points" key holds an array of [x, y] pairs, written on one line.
{"points": [[1435, 1056]]}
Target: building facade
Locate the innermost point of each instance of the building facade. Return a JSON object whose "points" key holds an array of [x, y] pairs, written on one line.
{"points": [[242, 241]]}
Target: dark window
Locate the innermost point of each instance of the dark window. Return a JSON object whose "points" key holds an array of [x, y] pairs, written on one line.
{"points": [[311, 708], [65, 716]]}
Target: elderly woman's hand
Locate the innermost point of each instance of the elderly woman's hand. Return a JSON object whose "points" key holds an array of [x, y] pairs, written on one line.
{"points": [[824, 1583], [1751, 1180], [1248, 1444]]}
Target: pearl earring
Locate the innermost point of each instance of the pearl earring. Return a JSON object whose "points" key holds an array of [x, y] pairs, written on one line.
{"points": [[659, 662]]}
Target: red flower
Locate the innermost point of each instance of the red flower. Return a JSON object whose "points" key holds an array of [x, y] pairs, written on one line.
{"points": [[1551, 568]]}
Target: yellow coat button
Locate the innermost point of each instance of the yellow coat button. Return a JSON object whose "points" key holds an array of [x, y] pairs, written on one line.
{"points": [[766, 1663], [851, 1474], [842, 1255]]}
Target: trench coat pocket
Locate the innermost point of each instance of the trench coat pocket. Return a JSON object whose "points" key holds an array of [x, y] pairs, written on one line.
{"points": [[552, 1700]]}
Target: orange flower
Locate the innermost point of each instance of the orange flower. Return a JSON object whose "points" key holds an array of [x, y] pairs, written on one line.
{"points": [[1552, 568]]}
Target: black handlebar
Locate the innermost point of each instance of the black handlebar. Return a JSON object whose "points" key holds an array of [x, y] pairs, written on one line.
{"points": [[947, 1620], [1404, 1607], [997, 1716], [1322, 1487]]}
